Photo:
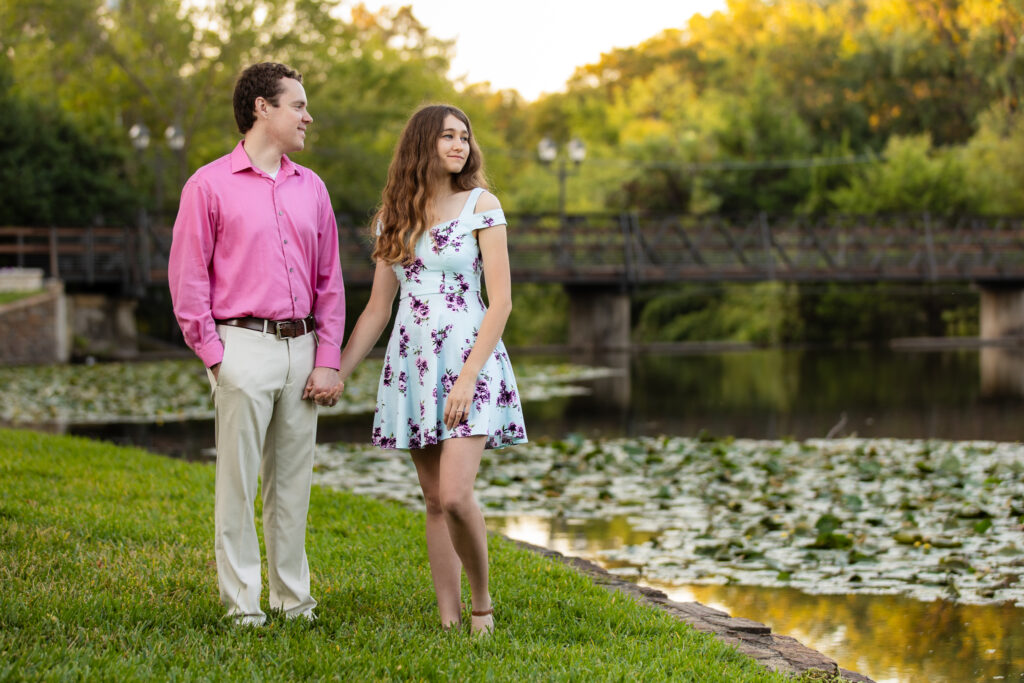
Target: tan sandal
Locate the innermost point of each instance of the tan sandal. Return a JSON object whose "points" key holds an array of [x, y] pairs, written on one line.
{"points": [[486, 629]]}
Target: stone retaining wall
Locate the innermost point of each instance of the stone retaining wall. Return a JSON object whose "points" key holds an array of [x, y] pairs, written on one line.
{"points": [[33, 330], [754, 639]]}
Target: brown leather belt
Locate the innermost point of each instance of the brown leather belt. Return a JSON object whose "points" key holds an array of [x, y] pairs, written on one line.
{"points": [[283, 329]]}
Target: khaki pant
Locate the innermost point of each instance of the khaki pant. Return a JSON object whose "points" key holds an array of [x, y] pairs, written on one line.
{"points": [[263, 428]]}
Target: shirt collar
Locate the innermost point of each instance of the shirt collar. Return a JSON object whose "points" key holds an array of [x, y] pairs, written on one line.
{"points": [[240, 161]]}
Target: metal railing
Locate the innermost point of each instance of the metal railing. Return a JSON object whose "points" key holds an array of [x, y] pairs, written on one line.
{"points": [[615, 249]]}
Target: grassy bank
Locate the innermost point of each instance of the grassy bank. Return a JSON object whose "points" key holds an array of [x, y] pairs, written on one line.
{"points": [[106, 563]]}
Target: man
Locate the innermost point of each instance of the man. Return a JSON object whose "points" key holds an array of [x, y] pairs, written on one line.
{"points": [[256, 285]]}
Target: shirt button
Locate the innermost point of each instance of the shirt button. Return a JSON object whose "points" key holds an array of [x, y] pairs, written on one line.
{"points": [[296, 298], [291, 270], [286, 241], [280, 213]]}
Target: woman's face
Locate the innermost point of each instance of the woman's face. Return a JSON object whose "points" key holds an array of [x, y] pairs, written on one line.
{"points": [[453, 144]]}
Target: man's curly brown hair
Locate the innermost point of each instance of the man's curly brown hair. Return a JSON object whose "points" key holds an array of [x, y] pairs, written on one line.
{"points": [[259, 80]]}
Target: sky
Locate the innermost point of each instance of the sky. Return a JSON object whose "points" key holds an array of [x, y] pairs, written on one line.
{"points": [[534, 46]]}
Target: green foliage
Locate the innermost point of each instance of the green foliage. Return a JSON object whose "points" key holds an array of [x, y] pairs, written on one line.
{"points": [[994, 160], [540, 315], [830, 313], [108, 574], [912, 177], [52, 172], [703, 118], [163, 63], [762, 313]]}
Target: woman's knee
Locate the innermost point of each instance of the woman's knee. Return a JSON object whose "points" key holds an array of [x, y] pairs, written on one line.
{"points": [[458, 504], [433, 504]]}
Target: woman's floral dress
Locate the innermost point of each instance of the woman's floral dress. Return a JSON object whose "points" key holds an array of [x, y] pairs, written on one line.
{"points": [[439, 315]]}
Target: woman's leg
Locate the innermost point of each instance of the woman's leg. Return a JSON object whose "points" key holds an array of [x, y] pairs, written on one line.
{"points": [[460, 461], [445, 567]]}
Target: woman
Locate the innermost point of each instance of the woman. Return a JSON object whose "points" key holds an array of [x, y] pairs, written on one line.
{"points": [[447, 390]]}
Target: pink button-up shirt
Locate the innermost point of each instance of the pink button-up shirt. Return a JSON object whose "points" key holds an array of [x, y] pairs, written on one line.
{"points": [[246, 244]]}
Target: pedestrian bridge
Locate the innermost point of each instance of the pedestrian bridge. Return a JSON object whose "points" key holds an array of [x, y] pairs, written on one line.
{"points": [[600, 257]]}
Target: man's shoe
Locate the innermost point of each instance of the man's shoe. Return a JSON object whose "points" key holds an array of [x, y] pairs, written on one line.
{"points": [[308, 616], [249, 620]]}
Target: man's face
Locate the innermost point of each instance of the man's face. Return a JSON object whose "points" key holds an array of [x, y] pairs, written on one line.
{"points": [[286, 123]]}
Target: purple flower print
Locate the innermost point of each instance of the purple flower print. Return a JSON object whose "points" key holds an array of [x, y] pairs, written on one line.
{"points": [[420, 310], [465, 352], [383, 441], [506, 397], [463, 429], [413, 270], [422, 366], [448, 381], [482, 395], [455, 299], [402, 382], [414, 435], [441, 237], [488, 221], [478, 264], [455, 302], [423, 410], [439, 337], [515, 431], [387, 374], [403, 342], [429, 439]]}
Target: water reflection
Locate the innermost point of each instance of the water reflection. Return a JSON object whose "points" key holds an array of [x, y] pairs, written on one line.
{"points": [[884, 637], [888, 638], [1002, 373], [777, 393], [765, 394]]}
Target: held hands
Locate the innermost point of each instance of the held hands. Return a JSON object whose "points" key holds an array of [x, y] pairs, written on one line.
{"points": [[456, 407], [324, 386]]}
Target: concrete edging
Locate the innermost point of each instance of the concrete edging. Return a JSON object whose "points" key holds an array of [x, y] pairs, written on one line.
{"points": [[754, 639]]}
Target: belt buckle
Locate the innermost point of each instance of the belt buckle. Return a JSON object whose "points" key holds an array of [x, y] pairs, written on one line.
{"points": [[277, 328]]}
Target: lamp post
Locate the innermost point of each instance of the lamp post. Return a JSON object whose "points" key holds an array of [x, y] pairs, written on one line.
{"points": [[175, 137], [547, 152], [139, 135]]}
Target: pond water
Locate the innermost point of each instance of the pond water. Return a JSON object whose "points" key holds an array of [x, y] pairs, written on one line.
{"points": [[769, 394], [889, 638]]}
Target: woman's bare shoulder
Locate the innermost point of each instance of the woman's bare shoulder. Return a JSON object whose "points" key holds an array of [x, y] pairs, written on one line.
{"points": [[487, 202]]}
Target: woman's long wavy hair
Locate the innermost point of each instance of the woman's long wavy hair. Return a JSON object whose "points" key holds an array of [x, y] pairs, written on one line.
{"points": [[412, 181]]}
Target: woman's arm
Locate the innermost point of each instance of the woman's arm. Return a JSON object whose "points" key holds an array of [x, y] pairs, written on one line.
{"points": [[497, 276], [372, 320]]}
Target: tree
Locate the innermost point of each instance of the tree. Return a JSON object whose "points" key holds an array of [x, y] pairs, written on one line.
{"points": [[54, 173], [165, 62]]}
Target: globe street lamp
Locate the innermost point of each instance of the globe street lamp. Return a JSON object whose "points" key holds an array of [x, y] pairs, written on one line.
{"points": [[547, 152], [140, 138]]}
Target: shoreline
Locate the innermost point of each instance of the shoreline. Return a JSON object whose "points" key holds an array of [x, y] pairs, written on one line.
{"points": [[780, 653]]}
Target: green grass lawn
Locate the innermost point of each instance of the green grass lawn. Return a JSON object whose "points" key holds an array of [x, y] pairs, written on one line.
{"points": [[107, 573], [10, 297]]}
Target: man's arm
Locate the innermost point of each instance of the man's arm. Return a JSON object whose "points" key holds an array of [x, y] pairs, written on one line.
{"points": [[324, 384], [188, 274]]}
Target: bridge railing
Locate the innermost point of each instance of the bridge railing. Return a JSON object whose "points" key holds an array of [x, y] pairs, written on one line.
{"points": [[91, 255], [919, 247], [613, 249]]}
